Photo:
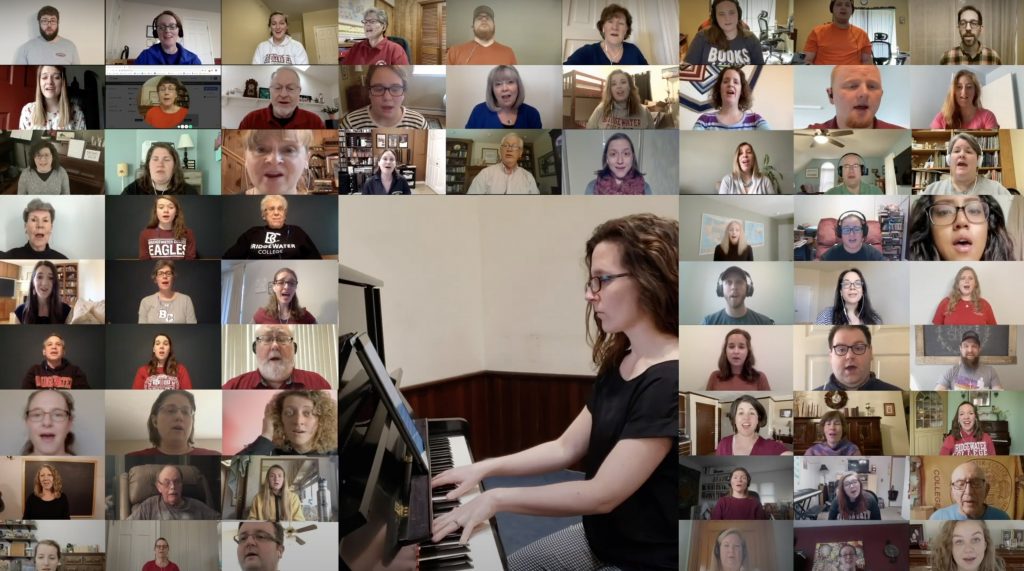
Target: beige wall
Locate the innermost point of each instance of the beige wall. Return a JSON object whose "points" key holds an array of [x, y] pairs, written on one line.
{"points": [[248, 28]]}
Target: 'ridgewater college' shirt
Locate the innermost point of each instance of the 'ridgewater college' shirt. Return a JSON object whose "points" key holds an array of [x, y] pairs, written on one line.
{"points": [[260, 242]]}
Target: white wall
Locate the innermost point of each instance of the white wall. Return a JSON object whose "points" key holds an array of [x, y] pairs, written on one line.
{"points": [[931, 281], [92, 280], [88, 423], [135, 16], [656, 151], [706, 157], [467, 86], [315, 81], [78, 225], [74, 532], [81, 21], [886, 284], [773, 290], [12, 481], [812, 104], [692, 215], [128, 420], [772, 353], [477, 284], [316, 291], [774, 84]]}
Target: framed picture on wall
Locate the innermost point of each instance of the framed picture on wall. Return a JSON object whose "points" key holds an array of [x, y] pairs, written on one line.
{"points": [[381, 140], [490, 156]]}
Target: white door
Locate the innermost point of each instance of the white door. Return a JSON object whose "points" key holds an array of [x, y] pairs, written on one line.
{"points": [[131, 546], [326, 45], [435, 160], [198, 40], [803, 304]]}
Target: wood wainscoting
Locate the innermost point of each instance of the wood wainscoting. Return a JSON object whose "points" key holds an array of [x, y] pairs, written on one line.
{"points": [[507, 412]]}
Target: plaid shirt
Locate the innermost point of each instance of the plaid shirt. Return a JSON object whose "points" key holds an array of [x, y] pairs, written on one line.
{"points": [[956, 56]]}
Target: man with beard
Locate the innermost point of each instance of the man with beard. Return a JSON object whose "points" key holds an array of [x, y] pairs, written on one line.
{"points": [[276, 239], [856, 92], [970, 374], [275, 349], [482, 49], [283, 111], [970, 51], [735, 285], [838, 42], [50, 48], [260, 545], [171, 503]]}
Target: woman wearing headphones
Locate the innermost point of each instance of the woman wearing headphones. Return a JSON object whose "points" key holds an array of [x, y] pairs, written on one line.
{"points": [[167, 28], [964, 156]]}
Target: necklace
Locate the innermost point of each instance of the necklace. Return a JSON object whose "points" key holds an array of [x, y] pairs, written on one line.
{"points": [[608, 53]]}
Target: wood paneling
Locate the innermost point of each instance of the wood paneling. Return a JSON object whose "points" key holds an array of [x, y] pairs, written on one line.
{"points": [[507, 412]]}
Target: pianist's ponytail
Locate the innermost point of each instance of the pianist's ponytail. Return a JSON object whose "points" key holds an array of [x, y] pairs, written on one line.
{"points": [[650, 254]]}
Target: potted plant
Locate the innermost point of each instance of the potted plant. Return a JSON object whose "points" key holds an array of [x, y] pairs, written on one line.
{"points": [[331, 111], [771, 173]]}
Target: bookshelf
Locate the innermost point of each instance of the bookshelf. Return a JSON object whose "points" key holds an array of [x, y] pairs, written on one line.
{"points": [[714, 484], [17, 542], [67, 282], [928, 156], [457, 154], [893, 221]]}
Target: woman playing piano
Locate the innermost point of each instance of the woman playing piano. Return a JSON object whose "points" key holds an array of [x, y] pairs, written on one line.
{"points": [[624, 435]]}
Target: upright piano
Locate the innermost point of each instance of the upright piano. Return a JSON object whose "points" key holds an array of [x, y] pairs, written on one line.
{"points": [[387, 461]]}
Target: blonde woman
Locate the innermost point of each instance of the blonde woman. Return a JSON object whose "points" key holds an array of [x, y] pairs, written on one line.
{"points": [[275, 160], [963, 305], [965, 546], [276, 501], [962, 108], [734, 247], [47, 500], [746, 175], [52, 109], [620, 107]]}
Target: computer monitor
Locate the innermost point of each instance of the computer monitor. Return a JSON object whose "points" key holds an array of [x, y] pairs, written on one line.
{"points": [[132, 92]]}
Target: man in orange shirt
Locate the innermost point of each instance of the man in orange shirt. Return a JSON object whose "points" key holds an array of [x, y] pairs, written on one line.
{"points": [[482, 49], [838, 42]]}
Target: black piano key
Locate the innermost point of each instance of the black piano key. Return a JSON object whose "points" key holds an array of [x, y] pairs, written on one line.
{"points": [[455, 564], [428, 551]]}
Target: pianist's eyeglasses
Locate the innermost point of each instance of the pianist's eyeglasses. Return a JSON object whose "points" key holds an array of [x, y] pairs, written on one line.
{"points": [[259, 536], [595, 283]]}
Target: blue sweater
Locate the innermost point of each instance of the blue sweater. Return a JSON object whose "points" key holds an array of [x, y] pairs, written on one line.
{"points": [[154, 55], [592, 54], [483, 118]]}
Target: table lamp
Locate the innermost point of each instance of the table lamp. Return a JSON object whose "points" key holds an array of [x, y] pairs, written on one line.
{"points": [[185, 143]]}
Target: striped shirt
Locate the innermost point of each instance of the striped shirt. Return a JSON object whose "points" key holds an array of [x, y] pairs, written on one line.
{"points": [[361, 119], [751, 121]]}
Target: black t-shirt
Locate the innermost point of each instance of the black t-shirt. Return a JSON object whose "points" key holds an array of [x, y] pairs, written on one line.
{"points": [[642, 532]]}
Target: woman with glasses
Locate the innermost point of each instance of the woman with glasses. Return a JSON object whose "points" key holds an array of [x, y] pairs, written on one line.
{"points": [[276, 501], [624, 436], [275, 160], [745, 177], [964, 304], [386, 179], [166, 236], [298, 422], [166, 305], [962, 108], [965, 436], [161, 173], [386, 85], [44, 304], [847, 558], [163, 371], [376, 49], [621, 106], [275, 239], [503, 105], [167, 113], [283, 301], [619, 173], [964, 156], [964, 546], [52, 108], [44, 174], [171, 426], [850, 304], [615, 26], [852, 501], [167, 29], [49, 418], [834, 428], [47, 500], [959, 228]]}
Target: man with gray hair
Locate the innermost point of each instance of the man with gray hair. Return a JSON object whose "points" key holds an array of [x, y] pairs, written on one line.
{"points": [[283, 111], [506, 176], [376, 49], [275, 349], [171, 502]]}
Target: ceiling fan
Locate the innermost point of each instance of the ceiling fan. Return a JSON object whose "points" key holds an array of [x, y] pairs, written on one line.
{"points": [[292, 533], [822, 136]]}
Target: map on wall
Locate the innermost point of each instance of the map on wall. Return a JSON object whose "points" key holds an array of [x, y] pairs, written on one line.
{"points": [[712, 228]]}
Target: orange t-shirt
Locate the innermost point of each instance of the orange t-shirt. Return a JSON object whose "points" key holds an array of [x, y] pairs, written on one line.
{"points": [[161, 120], [472, 53], [835, 46]]}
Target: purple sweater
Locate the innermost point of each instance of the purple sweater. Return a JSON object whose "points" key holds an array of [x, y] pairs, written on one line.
{"points": [[844, 448], [729, 507]]}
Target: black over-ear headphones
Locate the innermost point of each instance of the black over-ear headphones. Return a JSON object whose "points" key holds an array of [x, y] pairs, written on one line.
{"points": [[863, 167], [720, 288], [177, 21], [855, 214], [721, 536]]}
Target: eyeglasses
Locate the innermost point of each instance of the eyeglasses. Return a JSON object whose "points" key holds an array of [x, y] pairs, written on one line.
{"points": [[964, 24], [844, 230], [507, 147], [595, 283], [167, 28], [171, 483], [975, 211], [164, 274], [259, 536], [270, 339], [370, 21], [58, 416], [291, 89], [171, 410], [851, 285], [858, 349], [394, 90], [48, 21], [975, 483], [290, 283]]}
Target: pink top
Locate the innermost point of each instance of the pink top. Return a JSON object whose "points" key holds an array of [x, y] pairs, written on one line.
{"points": [[763, 447], [735, 383], [968, 446], [964, 314], [983, 119]]}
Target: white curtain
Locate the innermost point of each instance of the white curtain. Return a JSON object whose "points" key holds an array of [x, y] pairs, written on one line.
{"points": [[874, 20]]}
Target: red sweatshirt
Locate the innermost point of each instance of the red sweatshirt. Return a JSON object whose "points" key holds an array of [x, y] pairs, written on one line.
{"points": [[968, 446]]}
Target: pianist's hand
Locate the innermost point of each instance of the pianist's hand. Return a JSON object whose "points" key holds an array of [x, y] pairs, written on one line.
{"points": [[466, 517], [466, 479]]}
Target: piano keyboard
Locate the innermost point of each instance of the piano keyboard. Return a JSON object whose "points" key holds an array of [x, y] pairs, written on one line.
{"points": [[482, 551]]}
